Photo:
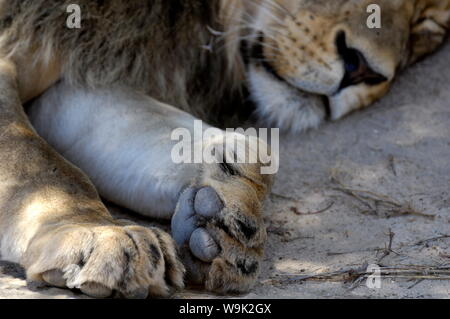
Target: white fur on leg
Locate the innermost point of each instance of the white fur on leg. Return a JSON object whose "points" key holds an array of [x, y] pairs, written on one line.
{"points": [[122, 140]]}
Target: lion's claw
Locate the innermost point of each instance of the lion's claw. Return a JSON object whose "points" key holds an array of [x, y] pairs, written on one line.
{"points": [[55, 278], [95, 290]]}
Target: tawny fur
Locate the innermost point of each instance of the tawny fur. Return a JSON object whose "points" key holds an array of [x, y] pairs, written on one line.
{"points": [[195, 55]]}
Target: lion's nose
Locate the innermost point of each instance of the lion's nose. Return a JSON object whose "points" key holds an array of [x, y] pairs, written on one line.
{"points": [[357, 69]]}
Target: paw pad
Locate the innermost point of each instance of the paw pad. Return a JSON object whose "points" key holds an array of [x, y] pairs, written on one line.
{"points": [[194, 207], [207, 202], [203, 246]]}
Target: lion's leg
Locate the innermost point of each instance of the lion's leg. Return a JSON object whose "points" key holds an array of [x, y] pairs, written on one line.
{"points": [[53, 222], [122, 140]]}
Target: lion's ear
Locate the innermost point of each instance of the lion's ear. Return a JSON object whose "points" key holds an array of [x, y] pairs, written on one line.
{"points": [[431, 24]]}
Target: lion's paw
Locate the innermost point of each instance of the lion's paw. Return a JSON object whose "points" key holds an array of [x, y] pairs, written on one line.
{"points": [[106, 261], [220, 237]]}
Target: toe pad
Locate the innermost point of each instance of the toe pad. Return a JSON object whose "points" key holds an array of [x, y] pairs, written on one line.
{"points": [[203, 246], [208, 203], [195, 207]]}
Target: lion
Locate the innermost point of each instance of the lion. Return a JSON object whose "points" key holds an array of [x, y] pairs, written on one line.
{"points": [[87, 113]]}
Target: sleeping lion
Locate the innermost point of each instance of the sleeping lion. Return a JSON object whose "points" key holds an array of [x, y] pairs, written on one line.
{"points": [[102, 100]]}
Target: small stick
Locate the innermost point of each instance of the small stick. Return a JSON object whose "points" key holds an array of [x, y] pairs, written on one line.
{"points": [[387, 251], [284, 197], [421, 242], [392, 165], [416, 283], [297, 212], [354, 274], [367, 197], [426, 241]]}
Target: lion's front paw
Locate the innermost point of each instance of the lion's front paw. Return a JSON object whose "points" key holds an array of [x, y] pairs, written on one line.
{"points": [[102, 261], [221, 236]]}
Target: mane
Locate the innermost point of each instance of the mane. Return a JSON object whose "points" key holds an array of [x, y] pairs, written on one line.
{"points": [[197, 43], [232, 15]]}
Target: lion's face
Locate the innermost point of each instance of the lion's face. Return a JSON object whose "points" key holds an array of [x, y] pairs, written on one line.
{"points": [[313, 59]]}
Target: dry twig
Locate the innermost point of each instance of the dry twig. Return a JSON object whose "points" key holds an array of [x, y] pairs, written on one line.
{"points": [[388, 250], [410, 272], [297, 212], [418, 243], [375, 202]]}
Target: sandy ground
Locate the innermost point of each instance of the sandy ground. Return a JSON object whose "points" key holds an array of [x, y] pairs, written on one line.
{"points": [[343, 191]]}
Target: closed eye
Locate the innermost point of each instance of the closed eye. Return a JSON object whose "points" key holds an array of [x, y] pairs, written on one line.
{"points": [[357, 69]]}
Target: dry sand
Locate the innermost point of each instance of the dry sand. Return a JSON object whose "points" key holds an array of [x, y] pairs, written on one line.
{"points": [[398, 148]]}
